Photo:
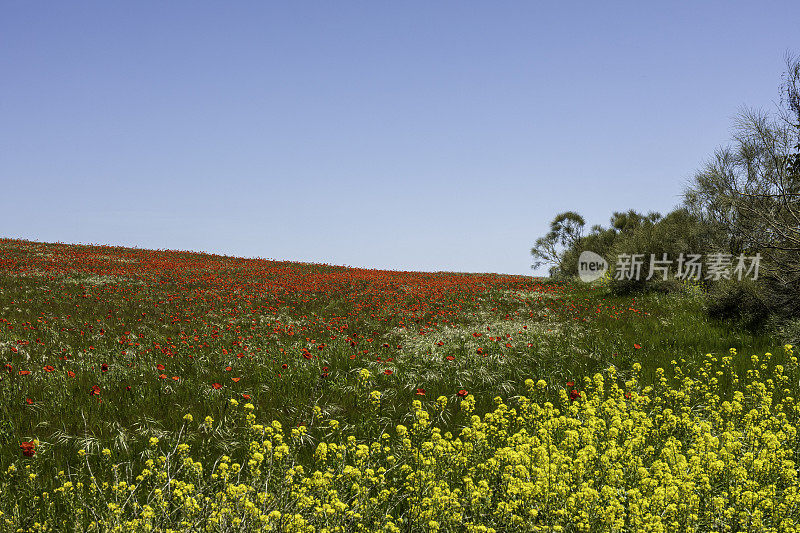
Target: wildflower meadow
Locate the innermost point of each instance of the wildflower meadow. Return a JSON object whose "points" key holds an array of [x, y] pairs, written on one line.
{"points": [[175, 391]]}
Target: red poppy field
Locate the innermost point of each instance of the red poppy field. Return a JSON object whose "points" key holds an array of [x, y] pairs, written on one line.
{"points": [[105, 349]]}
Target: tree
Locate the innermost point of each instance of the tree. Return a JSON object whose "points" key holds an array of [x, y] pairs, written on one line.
{"points": [[751, 189], [565, 231], [631, 220], [791, 101]]}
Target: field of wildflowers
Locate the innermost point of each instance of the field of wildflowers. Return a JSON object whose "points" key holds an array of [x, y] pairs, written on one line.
{"points": [[161, 390]]}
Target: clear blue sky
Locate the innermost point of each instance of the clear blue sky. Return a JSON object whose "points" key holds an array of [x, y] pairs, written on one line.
{"points": [[401, 135]]}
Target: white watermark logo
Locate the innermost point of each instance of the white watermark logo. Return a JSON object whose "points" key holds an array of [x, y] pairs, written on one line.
{"points": [[591, 266], [687, 266]]}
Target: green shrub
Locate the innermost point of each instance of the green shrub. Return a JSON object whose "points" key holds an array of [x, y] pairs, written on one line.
{"points": [[741, 301]]}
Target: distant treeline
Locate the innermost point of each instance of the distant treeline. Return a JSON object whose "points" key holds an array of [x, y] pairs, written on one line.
{"points": [[744, 201]]}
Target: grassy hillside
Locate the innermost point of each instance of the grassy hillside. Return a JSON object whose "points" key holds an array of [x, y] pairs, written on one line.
{"points": [[175, 389]]}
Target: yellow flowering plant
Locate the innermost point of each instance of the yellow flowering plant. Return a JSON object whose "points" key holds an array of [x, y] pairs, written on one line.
{"points": [[681, 453]]}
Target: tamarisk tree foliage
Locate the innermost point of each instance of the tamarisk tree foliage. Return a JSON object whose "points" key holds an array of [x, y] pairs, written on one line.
{"points": [[566, 230], [751, 190]]}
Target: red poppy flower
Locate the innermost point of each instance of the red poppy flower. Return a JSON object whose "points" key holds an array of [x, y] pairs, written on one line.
{"points": [[9, 368], [28, 448], [127, 387], [420, 392], [160, 367], [24, 372], [176, 378], [636, 346], [28, 401], [162, 376], [246, 396], [228, 368], [570, 384], [284, 366], [104, 367], [462, 393], [450, 358], [574, 395], [236, 380], [216, 386], [388, 372], [94, 391], [70, 373], [49, 368]]}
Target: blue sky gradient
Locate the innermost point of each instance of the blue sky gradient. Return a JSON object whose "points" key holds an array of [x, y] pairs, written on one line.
{"points": [[400, 135]]}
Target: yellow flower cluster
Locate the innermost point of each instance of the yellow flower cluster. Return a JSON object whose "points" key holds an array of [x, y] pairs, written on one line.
{"points": [[699, 449]]}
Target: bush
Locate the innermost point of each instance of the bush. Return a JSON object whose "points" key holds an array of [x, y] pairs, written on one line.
{"points": [[738, 300], [626, 287], [677, 233], [788, 331]]}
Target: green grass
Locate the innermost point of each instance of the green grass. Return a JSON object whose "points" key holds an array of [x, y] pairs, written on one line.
{"points": [[557, 336], [297, 337]]}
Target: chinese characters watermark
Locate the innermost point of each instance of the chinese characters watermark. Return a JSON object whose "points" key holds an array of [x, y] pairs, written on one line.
{"points": [[716, 266]]}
